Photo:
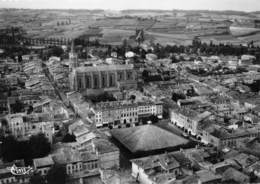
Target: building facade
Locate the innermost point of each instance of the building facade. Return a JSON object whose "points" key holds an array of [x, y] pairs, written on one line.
{"points": [[108, 154], [221, 138], [185, 119], [124, 113]]}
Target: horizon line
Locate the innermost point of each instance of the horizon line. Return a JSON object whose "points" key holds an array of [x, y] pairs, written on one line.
{"points": [[147, 9]]}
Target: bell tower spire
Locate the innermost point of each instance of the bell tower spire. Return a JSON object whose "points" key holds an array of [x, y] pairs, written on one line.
{"points": [[73, 57]]}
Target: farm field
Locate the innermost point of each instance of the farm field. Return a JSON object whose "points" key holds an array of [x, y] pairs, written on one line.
{"points": [[243, 31], [115, 36], [164, 27], [254, 37]]}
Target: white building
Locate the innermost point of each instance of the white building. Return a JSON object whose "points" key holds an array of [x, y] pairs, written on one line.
{"points": [[124, 113], [188, 120], [22, 125]]}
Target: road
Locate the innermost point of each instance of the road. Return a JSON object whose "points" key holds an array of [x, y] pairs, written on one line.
{"points": [[57, 91]]}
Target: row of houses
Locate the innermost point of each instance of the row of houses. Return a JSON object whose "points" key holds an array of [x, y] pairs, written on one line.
{"points": [[126, 113], [200, 165], [36, 79], [78, 163], [115, 114], [59, 72], [214, 131], [88, 156]]}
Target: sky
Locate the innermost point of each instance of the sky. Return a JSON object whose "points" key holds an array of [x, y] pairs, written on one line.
{"points": [[241, 5]]}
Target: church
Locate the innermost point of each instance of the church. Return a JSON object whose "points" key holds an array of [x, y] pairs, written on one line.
{"points": [[100, 78]]}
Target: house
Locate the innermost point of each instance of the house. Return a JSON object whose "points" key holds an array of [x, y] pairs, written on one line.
{"points": [[82, 133], [255, 168], [247, 60], [43, 165], [78, 163], [110, 176], [221, 167], [156, 169], [207, 177], [222, 137], [69, 158], [108, 154], [22, 125], [233, 174], [188, 119], [245, 160], [203, 157], [74, 125]]}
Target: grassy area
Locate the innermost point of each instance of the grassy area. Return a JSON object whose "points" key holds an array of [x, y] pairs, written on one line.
{"points": [[164, 27], [243, 31], [115, 36]]}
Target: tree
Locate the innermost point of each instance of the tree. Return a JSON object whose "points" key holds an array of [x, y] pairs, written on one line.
{"points": [[124, 44], [178, 96], [69, 138], [56, 175], [101, 98], [37, 179], [40, 146], [20, 58], [56, 51], [4, 123], [145, 74], [154, 119], [30, 109], [17, 107], [15, 150], [9, 149], [132, 97]]}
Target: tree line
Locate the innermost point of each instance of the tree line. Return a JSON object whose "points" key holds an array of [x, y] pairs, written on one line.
{"points": [[36, 147]]}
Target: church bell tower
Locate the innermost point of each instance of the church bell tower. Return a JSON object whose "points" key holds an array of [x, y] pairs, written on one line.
{"points": [[73, 57]]}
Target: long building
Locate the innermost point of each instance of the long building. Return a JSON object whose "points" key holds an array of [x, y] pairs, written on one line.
{"points": [[93, 79], [124, 114]]}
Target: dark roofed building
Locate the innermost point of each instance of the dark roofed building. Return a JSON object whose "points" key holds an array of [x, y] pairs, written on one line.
{"points": [[236, 175], [147, 138]]}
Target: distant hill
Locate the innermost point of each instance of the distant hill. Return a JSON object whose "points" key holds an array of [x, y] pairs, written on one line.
{"points": [[225, 12]]}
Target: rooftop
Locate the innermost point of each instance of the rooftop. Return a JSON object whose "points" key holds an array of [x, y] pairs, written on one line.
{"points": [[65, 155], [122, 104], [207, 176], [43, 162], [166, 161], [80, 130], [104, 68], [104, 146], [238, 176], [147, 138]]}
